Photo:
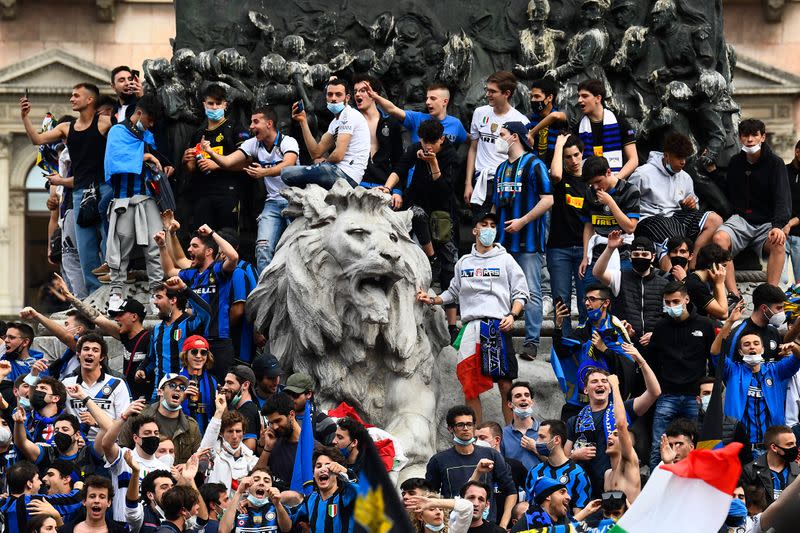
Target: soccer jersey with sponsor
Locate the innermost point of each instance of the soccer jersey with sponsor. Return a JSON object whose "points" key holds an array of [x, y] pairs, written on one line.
{"points": [[270, 155], [121, 475], [262, 519], [570, 474], [780, 480], [603, 220], [332, 515], [485, 128], [108, 392], [212, 285], [756, 413], [352, 122]]}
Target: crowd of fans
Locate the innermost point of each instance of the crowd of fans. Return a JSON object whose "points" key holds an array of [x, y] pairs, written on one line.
{"points": [[198, 430]]}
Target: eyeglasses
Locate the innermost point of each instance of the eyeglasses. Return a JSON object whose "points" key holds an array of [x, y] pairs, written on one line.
{"points": [[463, 425], [177, 386], [198, 351], [593, 299]]}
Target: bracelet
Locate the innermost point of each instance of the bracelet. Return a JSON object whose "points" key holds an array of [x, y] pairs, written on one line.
{"points": [[212, 233], [85, 401]]}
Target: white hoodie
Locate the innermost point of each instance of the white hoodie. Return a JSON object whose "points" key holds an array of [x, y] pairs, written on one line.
{"points": [[660, 192], [486, 285], [226, 466]]}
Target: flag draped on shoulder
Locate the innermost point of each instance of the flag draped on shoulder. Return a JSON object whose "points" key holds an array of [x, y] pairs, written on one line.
{"points": [[303, 473], [378, 508], [691, 496]]}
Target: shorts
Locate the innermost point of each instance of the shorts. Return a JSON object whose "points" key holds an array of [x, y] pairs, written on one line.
{"points": [[745, 235], [684, 223]]}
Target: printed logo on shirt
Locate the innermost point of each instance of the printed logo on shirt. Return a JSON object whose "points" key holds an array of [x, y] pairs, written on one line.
{"points": [[177, 335], [598, 150], [604, 220], [206, 290], [768, 382], [755, 392], [485, 120], [487, 138], [575, 201], [219, 138], [480, 273], [494, 127], [509, 186], [333, 510], [773, 345], [217, 150], [697, 333]]}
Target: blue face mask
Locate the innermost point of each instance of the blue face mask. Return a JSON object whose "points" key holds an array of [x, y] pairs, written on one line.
{"points": [[486, 236], [257, 502], [669, 169], [215, 114], [432, 527], [542, 449], [166, 406], [345, 451], [674, 311], [140, 126], [463, 442], [485, 514], [24, 403], [335, 107], [594, 314]]}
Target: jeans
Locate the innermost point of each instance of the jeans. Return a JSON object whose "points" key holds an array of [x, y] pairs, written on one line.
{"points": [[322, 174], [92, 241], [531, 264], [794, 253], [668, 408], [271, 225], [562, 264], [70, 261]]}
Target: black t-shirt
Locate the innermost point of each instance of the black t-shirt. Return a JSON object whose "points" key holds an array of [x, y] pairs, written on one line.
{"points": [[281, 463], [700, 294], [487, 527], [252, 418], [794, 186], [627, 133], [569, 205], [137, 349], [596, 468], [225, 139], [604, 222]]}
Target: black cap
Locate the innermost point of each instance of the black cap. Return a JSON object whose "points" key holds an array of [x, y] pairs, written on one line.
{"points": [[522, 132], [643, 244], [130, 305], [267, 365], [483, 215]]}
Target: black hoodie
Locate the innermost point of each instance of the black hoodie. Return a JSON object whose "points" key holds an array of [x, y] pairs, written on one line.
{"points": [[759, 192]]}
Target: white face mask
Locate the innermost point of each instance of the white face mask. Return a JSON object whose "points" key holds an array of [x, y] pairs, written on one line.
{"points": [[523, 413], [705, 400], [753, 359], [230, 449], [168, 460], [751, 149], [5, 436], [777, 319], [501, 146]]}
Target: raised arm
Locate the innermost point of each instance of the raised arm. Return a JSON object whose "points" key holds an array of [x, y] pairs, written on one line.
{"points": [[315, 149], [718, 308], [725, 330], [231, 255], [653, 390], [385, 104], [58, 330], [600, 269], [226, 523], [621, 418], [212, 430], [557, 164], [167, 264], [110, 446], [48, 137], [108, 326], [134, 511], [30, 450], [234, 161]]}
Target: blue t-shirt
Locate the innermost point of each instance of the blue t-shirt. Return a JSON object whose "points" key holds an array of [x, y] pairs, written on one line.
{"points": [[213, 285], [453, 128]]}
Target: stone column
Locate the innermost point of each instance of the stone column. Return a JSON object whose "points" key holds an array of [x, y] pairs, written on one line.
{"points": [[5, 229]]}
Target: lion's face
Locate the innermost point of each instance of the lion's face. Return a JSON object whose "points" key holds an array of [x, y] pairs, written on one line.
{"points": [[368, 251]]}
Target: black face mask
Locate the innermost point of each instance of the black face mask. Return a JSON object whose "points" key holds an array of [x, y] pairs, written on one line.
{"points": [[38, 401], [149, 445], [537, 106], [679, 261], [62, 442], [640, 264], [789, 454]]}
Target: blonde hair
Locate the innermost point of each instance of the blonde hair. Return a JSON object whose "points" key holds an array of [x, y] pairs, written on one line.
{"points": [[419, 525], [207, 366]]}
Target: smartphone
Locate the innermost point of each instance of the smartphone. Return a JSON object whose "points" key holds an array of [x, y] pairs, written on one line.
{"points": [[26, 93], [135, 73], [300, 106]]}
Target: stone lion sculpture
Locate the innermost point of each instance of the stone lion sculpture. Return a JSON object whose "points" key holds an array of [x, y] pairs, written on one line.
{"points": [[337, 302]]}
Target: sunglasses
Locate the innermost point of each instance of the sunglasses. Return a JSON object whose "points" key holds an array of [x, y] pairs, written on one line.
{"points": [[177, 386], [198, 351]]}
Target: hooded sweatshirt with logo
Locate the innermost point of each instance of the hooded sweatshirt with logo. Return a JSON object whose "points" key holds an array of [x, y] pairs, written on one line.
{"points": [[660, 192], [486, 284]]}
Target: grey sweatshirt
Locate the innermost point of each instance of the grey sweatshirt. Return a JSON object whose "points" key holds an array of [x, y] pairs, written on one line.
{"points": [[486, 285], [660, 193]]}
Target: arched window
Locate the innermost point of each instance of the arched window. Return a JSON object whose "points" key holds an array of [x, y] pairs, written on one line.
{"points": [[35, 193]]}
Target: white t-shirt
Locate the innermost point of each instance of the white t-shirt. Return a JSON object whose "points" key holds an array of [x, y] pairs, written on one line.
{"points": [[355, 159], [121, 473], [109, 393], [271, 156], [485, 128]]}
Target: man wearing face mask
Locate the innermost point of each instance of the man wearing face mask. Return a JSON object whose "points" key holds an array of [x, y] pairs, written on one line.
{"points": [[214, 189], [777, 468], [347, 143], [238, 389], [348, 439], [755, 390], [522, 198], [519, 437], [550, 441], [172, 421], [758, 188], [18, 339], [678, 353], [546, 121], [638, 291], [678, 257], [767, 316], [48, 399], [8, 453], [130, 161], [551, 507], [449, 470], [490, 287], [667, 201]]}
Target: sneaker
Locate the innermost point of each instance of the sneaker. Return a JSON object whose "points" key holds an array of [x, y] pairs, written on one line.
{"points": [[115, 302], [529, 352], [102, 269], [105, 278]]}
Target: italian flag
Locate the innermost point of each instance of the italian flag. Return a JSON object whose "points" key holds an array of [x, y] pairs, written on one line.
{"points": [[692, 496], [468, 368]]}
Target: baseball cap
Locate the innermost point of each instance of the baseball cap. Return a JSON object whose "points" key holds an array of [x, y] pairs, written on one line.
{"points": [[243, 373], [544, 487], [482, 215], [643, 244], [129, 305], [195, 341], [521, 131], [172, 377], [268, 365], [299, 383]]}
